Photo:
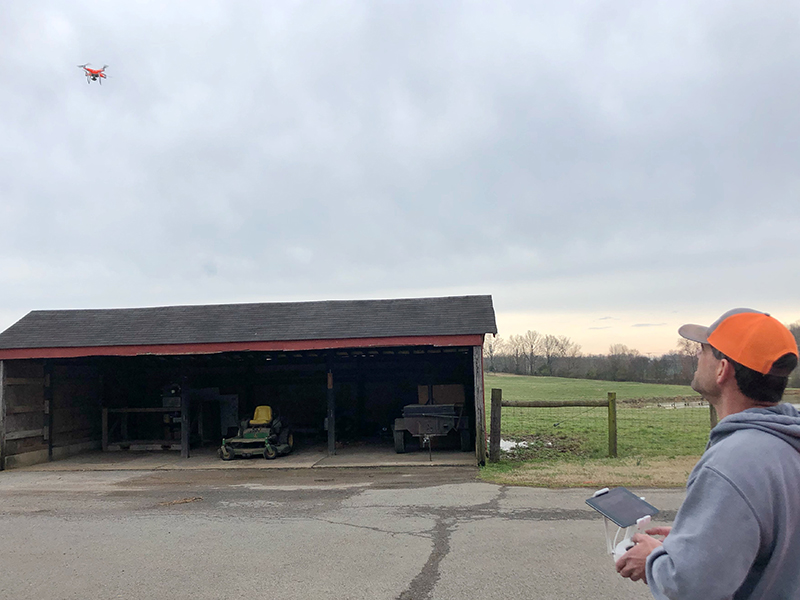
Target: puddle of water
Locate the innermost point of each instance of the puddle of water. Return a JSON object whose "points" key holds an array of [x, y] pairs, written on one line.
{"points": [[506, 445]]}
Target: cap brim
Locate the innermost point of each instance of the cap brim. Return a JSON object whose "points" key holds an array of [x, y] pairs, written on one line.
{"points": [[696, 333]]}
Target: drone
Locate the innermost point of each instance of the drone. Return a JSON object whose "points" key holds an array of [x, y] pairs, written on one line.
{"points": [[93, 74]]}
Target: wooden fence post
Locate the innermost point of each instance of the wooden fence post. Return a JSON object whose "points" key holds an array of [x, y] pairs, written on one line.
{"points": [[612, 424], [494, 434]]}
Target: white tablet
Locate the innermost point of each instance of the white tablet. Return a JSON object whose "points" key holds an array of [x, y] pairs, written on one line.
{"points": [[621, 506]]}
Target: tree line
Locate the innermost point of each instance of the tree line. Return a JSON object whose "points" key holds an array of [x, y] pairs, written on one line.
{"points": [[534, 353]]}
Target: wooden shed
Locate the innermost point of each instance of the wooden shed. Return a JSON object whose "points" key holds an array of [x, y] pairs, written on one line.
{"points": [[175, 377]]}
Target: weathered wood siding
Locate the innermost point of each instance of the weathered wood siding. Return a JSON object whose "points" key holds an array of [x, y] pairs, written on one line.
{"points": [[25, 419]]}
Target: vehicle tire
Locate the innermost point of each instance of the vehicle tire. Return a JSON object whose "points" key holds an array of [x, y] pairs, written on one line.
{"points": [[286, 437], [399, 441], [226, 453], [466, 440], [270, 452]]}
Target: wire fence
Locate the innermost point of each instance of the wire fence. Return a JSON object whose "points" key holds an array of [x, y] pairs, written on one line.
{"points": [[652, 427]]}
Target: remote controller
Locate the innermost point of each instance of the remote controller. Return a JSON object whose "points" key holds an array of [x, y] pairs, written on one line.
{"points": [[627, 543]]}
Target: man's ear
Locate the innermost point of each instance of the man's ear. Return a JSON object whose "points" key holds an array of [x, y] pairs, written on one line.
{"points": [[725, 371]]}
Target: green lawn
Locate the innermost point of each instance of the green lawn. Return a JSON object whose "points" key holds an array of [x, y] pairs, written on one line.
{"points": [[661, 431], [523, 387], [652, 420]]}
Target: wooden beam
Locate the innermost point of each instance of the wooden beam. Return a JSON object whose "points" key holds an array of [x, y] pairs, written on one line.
{"points": [[105, 430], [441, 341], [494, 435], [48, 407], [331, 413], [554, 403], [184, 419], [21, 410], [25, 381], [2, 414], [28, 433], [480, 407], [149, 409], [612, 424]]}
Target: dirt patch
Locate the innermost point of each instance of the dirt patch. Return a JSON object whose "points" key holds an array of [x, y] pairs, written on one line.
{"points": [[632, 472], [541, 446]]}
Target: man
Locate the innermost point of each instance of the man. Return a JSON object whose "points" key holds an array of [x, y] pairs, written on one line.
{"points": [[737, 534]]}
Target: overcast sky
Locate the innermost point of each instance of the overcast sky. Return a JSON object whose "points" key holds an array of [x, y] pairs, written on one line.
{"points": [[605, 170]]}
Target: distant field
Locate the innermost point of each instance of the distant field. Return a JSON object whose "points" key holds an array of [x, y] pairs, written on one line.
{"points": [[522, 387]]}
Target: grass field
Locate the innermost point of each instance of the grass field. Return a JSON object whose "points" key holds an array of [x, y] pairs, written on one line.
{"points": [[522, 387], [661, 431]]}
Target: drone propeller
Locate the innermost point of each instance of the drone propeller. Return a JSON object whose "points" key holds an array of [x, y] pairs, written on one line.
{"points": [[84, 66]]}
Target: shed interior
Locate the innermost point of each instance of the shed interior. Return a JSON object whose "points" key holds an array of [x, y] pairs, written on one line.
{"points": [[63, 399]]}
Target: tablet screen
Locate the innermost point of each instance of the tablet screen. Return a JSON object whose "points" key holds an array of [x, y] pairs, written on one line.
{"points": [[622, 506]]}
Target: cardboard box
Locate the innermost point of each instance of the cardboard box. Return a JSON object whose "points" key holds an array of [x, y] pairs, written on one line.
{"points": [[442, 394]]}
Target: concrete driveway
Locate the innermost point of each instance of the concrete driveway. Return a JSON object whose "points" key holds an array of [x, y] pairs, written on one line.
{"points": [[305, 457], [371, 533]]}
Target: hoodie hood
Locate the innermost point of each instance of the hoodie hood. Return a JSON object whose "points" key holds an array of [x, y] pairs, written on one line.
{"points": [[781, 420]]}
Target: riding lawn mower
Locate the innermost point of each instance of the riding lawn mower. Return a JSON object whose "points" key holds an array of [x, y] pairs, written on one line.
{"points": [[262, 435]]}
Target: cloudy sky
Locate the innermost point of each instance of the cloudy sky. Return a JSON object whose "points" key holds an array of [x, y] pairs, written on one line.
{"points": [[606, 170]]}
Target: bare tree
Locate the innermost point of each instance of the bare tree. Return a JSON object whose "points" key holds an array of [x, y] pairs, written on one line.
{"points": [[531, 346], [492, 348], [516, 349], [552, 348], [619, 361], [570, 352], [687, 350]]}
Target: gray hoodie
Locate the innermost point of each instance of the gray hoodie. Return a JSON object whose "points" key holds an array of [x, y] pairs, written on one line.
{"points": [[737, 534]]}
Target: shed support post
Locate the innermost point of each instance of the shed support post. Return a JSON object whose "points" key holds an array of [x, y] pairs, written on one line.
{"points": [[105, 429], [2, 414], [48, 406], [494, 433], [184, 420], [331, 420], [480, 408]]}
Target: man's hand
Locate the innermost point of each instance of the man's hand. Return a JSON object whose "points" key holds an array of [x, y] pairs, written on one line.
{"points": [[664, 531], [633, 563]]}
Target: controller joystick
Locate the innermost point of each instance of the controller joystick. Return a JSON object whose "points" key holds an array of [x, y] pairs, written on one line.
{"points": [[627, 542]]}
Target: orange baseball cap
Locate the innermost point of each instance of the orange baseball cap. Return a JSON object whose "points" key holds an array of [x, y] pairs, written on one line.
{"points": [[749, 337]]}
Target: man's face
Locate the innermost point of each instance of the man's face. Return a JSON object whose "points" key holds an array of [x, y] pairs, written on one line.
{"points": [[704, 381]]}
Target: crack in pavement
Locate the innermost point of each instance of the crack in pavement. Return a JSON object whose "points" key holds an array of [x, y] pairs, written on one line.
{"points": [[422, 585]]}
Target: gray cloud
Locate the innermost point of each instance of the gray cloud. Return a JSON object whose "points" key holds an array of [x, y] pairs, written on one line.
{"points": [[570, 156]]}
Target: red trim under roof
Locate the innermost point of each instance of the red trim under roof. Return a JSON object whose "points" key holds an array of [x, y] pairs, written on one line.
{"points": [[286, 346]]}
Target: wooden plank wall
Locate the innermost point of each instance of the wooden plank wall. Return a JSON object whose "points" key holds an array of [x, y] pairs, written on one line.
{"points": [[25, 419], [2, 414], [76, 405]]}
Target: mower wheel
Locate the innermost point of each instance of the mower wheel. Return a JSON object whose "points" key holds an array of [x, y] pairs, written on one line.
{"points": [[286, 437], [270, 452], [226, 453]]}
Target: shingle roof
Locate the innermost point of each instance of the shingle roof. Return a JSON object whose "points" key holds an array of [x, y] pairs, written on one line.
{"points": [[278, 321]]}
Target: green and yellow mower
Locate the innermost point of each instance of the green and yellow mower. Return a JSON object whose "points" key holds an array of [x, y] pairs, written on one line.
{"points": [[262, 435]]}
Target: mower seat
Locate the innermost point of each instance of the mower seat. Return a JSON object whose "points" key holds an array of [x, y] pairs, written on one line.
{"points": [[262, 417]]}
